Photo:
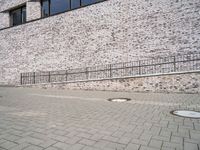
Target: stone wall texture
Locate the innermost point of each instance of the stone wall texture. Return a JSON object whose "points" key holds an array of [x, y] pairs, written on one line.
{"points": [[33, 10], [9, 4], [108, 32], [4, 17], [174, 83], [4, 14]]}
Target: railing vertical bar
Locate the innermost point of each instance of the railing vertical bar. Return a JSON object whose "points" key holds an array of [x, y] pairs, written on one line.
{"points": [[174, 63], [21, 78], [66, 75], [33, 77], [139, 65], [110, 69], [49, 77], [86, 73], [29, 78]]}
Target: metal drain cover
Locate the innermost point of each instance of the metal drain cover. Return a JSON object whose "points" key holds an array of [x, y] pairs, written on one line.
{"points": [[187, 114], [120, 100]]}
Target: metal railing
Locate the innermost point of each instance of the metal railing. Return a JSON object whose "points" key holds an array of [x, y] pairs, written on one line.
{"points": [[171, 64]]}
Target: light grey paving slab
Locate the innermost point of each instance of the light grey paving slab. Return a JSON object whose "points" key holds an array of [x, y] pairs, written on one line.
{"points": [[53, 123], [155, 144], [132, 147], [48, 143], [77, 147], [33, 147], [21, 146], [51, 148], [62, 146], [87, 142], [190, 146], [8, 145]]}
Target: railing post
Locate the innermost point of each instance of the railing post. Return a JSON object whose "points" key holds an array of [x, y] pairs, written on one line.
{"points": [[21, 78], [66, 74], [139, 65], [33, 77], [110, 68], [86, 72], [174, 62], [49, 79]]}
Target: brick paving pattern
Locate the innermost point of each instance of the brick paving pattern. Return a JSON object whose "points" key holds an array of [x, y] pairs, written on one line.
{"points": [[36, 119]]}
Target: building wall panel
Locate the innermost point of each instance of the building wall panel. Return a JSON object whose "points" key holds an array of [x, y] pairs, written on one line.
{"points": [[108, 32]]}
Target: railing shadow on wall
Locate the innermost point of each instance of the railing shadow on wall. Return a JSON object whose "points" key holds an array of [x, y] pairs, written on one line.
{"points": [[171, 64]]}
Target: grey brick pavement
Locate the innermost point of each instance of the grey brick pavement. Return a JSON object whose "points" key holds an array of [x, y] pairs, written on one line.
{"points": [[36, 119]]}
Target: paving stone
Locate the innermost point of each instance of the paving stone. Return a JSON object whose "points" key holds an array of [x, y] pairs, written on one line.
{"points": [[176, 139], [58, 137], [12, 137], [62, 146], [96, 137], [118, 134], [124, 140], [114, 145], [33, 148], [110, 138], [155, 143], [167, 148], [132, 147], [139, 142], [77, 147], [145, 137], [148, 148], [101, 144], [190, 146], [2, 141], [20, 146], [162, 138], [59, 132], [51, 148], [72, 133], [30, 140], [72, 140], [39, 136], [195, 134], [197, 126], [48, 143], [194, 141], [87, 142], [84, 135], [89, 148], [165, 133], [8, 145], [172, 145]]}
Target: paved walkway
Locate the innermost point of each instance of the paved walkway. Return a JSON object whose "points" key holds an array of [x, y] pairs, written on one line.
{"points": [[33, 119]]}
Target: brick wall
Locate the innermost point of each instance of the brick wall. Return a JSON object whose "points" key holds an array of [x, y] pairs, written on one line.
{"points": [[109, 32]]}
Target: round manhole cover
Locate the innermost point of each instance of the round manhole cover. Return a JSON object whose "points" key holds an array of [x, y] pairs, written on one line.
{"points": [[120, 100], [187, 114]]}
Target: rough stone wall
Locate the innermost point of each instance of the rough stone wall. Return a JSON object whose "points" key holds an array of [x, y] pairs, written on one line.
{"points": [[4, 14], [4, 17], [9, 4], [176, 83], [108, 32], [33, 10]]}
